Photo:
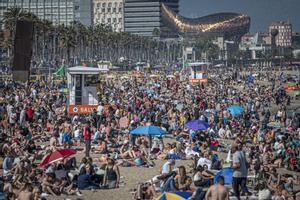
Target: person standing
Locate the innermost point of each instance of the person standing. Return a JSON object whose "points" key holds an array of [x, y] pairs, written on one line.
{"points": [[87, 138], [23, 116], [100, 111], [240, 172], [29, 113]]}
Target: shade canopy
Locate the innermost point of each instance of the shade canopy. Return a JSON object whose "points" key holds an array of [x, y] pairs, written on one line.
{"points": [[227, 173], [57, 155], [235, 110], [148, 130], [85, 70], [197, 125]]}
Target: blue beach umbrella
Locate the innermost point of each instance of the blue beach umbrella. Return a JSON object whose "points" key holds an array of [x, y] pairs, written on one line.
{"points": [[235, 110], [148, 130], [197, 125], [227, 173]]}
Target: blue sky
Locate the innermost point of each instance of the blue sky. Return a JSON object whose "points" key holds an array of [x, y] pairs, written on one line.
{"points": [[262, 12]]}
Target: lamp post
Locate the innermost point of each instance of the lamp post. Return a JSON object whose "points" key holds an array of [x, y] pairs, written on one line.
{"points": [[226, 42], [181, 39]]}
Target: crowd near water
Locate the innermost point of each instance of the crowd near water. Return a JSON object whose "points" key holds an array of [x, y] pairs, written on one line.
{"points": [[238, 135]]}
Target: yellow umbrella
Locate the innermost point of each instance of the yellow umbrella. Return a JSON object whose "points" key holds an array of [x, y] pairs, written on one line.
{"points": [[170, 196]]}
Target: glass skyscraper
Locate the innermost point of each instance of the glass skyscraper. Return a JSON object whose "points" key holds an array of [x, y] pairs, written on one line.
{"points": [[56, 11], [142, 17]]}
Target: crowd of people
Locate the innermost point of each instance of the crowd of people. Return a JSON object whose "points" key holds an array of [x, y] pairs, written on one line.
{"points": [[263, 140]]}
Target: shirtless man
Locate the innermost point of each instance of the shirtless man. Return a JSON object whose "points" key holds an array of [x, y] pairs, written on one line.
{"points": [[25, 193], [218, 191]]}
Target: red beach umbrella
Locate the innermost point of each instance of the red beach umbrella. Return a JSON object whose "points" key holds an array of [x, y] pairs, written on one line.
{"points": [[57, 155]]}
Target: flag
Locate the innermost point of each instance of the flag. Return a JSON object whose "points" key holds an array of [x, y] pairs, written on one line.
{"points": [[281, 77], [228, 157], [61, 71]]}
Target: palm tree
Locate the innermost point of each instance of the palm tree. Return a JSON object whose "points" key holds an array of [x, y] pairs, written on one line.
{"points": [[156, 32], [67, 41], [47, 29], [87, 42]]}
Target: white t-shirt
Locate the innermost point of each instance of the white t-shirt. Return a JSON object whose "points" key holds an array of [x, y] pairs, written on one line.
{"points": [[12, 118], [204, 161], [100, 110], [221, 132], [190, 152], [166, 168], [77, 133]]}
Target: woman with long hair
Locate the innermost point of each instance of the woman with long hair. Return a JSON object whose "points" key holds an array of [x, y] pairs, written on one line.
{"points": [[182, 181], [111, 175]]}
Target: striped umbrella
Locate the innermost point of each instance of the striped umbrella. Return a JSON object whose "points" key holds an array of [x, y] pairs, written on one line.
{"points": [[175, 196]]}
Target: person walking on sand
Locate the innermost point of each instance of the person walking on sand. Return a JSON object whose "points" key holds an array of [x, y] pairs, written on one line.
{"points": [[87, 138]]}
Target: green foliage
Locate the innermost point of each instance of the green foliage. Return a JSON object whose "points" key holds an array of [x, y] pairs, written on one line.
{"points": [[86, 42], [288, 55], [206, 45], [156, 32]]}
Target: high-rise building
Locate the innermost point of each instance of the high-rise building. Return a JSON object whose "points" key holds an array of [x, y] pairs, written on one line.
{"points": [[143, 17], [56, 11], [284, 37], [109, 12]]}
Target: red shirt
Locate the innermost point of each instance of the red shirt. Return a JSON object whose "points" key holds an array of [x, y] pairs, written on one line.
{"points": [[29, 113], [87, 134]]}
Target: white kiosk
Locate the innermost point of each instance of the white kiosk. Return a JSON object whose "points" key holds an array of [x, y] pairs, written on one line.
{"points": [[82, 84], [198, 72]]}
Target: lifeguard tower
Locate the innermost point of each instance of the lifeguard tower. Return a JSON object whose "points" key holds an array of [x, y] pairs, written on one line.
{"points": [[82, 84], [198, 72]]}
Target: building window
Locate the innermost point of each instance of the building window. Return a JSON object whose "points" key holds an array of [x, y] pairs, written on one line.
{"points": [[109, 20], [103, 10], [115, 20], [109, 4], [103, 4], [120, 19], [120, 9], [98, 5], [114, 10], [108, 10]]}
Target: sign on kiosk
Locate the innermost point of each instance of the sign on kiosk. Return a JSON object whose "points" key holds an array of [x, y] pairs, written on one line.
{"points": [[81, 109], [87, 109]]}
